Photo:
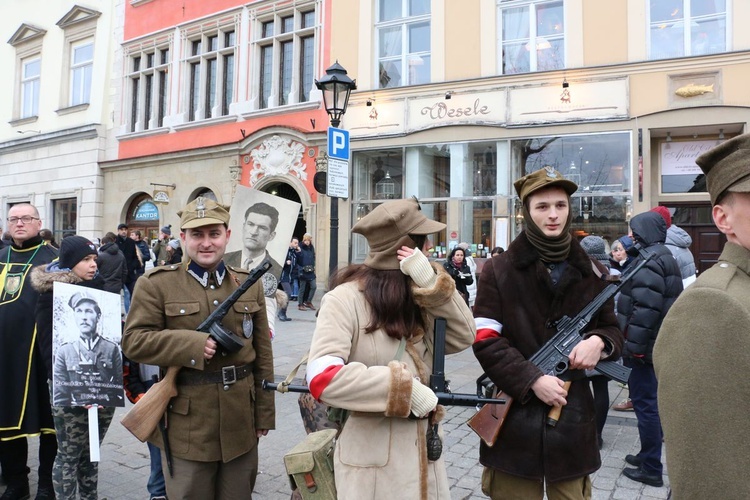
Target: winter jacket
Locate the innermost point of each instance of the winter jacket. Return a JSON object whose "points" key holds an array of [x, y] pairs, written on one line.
{"points": [[678, 242], [288, 272], [112, 267], [129, 250], [306, 257], [516, 307], [462, 277], [645, 300], [381, 453]]}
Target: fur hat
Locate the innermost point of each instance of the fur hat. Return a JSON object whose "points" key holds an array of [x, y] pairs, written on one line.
{"points": [[664, 212], [73, 249], [727, 167], [596, 248], [545, 177], [387, 228]]}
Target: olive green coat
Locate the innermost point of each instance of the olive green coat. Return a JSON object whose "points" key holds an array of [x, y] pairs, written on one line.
{"points": [[206, 423], [702, 362]]}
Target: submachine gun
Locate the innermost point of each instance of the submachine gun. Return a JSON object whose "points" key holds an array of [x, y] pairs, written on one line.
{"points": [[437, 379], [552, 358], [146, 414]]}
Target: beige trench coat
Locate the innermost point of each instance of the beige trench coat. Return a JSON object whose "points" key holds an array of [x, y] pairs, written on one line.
{"points": [[206, 422], [381, 453]]}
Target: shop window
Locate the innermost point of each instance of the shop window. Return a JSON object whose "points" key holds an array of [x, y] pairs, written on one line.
{"points": [[679, 28], [211, 69], [149, 87], [476, 227], [533, 35], [403, 37], [64, 217], [378, 175], [600, 164], [285, 45]]}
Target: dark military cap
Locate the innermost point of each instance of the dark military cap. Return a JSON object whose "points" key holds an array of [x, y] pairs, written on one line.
{"points": [[203, 212], [727, 167], [543, 178]]}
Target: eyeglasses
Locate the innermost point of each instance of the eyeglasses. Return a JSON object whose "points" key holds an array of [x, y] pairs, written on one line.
{"points": [[26, 219]]}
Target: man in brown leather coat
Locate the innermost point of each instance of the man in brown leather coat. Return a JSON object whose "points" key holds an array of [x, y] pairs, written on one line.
{"points": [[543, 276], [220, 411]]}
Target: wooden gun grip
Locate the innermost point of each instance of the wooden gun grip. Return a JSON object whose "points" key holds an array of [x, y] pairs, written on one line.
{"points": [[488, 421], [143, 418], [554, 414]]}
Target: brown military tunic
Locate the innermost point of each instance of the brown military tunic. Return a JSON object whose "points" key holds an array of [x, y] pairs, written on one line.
{"points": [[206, 422]]}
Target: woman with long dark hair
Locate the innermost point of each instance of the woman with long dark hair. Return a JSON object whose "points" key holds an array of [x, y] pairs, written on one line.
{"points": [[459, 270], [371, 354]]}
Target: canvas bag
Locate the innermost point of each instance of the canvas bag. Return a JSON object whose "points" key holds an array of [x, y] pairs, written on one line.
{"points": [[310, 466]]}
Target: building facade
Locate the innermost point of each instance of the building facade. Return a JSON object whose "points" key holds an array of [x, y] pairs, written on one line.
{"points": [[56, 112], [457, 100], [212, 95]]}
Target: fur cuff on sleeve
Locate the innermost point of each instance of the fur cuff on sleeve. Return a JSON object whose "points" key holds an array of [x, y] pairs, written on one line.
{"points": [[439, 294], [399, 393]]}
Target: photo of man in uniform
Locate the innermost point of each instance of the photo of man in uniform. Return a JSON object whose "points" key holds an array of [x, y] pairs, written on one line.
{"points": [[258, 230], [89, 369]]}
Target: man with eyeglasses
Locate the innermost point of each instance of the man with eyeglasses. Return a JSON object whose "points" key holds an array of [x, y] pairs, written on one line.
{"points": [[25, 410]]}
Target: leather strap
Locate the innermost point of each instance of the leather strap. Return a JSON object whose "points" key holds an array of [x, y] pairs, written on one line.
{"points": [[226, 376]]}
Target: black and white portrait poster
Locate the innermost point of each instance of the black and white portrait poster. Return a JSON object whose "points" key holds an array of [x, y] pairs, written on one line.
{"points": [[262, 226], [86, 335]]}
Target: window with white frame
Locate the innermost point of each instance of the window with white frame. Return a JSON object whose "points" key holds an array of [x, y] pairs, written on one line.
{"points": [[31, 71], [286, 53], [532, 35], [149, 88], [403, 40], [81, 68], [679, 28], [211, 64]]}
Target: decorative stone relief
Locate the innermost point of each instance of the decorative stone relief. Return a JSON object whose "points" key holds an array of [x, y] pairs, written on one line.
{"points": [[278, 156]]}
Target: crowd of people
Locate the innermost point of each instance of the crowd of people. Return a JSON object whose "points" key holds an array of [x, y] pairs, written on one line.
{"points": [[371, 350]]}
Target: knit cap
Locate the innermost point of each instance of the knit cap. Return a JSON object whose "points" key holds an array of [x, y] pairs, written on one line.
{"points": [[664, 212], [174, 244], [596, 248], [167, 230], [73, 249]]}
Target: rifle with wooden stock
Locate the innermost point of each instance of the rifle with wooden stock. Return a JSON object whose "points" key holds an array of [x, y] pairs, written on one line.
{"points": [[552, 359], [145, 415]]}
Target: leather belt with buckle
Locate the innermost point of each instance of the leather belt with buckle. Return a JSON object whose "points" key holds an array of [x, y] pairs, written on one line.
{"points": [[226, 376]]}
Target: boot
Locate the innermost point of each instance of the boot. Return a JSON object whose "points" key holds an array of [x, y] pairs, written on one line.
{"points": [[282, 315], [16, 491]]}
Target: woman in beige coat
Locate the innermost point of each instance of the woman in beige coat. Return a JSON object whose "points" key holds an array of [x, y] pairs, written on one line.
{"points": [[356, 362]]}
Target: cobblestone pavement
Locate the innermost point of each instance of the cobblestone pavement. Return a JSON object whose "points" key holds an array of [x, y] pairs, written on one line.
{"points": [[124, 465]]}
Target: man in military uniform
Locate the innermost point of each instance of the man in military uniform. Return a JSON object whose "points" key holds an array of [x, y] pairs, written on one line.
{"points": [[258, 230], [25, 409], [702, 354], [90, 365], [220, 411]]}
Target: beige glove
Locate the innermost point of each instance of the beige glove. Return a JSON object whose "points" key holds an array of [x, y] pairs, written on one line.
{"points": [[418, 267], [423, 400]]}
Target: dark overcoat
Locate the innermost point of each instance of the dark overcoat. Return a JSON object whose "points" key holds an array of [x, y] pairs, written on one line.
{"points": [[702, 362], [516, 290]]}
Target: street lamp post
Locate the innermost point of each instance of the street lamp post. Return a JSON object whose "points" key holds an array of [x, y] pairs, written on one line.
{"points": [[336, 87]]}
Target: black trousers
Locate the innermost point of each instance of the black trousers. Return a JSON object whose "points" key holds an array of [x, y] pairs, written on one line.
{"points": [[13, 456]]}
